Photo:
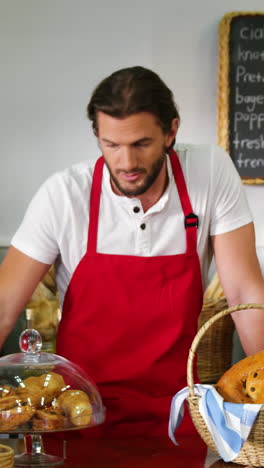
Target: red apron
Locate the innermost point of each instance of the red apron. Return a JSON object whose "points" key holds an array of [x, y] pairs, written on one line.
{"points": [[129, 321]]}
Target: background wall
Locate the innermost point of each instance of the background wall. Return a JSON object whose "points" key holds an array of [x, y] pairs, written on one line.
{"points": [[54, 52]]}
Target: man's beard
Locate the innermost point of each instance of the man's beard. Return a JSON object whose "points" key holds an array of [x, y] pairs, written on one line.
{"points": [[149, 180]]}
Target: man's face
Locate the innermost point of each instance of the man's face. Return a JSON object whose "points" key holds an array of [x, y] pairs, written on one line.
{"points": [[134, 150]]}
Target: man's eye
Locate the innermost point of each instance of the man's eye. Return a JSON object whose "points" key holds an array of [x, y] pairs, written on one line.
{"points": [[142, 144], [111, 145]]}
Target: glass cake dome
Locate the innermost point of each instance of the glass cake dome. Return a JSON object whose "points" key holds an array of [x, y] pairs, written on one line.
{"points": [[43, 392]]}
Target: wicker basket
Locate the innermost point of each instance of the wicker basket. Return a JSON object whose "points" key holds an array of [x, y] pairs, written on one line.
{"points": [[217, 342], [252, 452]]}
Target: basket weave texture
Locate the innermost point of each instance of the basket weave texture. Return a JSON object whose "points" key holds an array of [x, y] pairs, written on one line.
{"points": [[217, 342], [252, 452]]}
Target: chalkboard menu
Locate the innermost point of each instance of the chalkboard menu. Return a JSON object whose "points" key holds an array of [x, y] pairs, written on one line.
{"points": [[241, 92]]}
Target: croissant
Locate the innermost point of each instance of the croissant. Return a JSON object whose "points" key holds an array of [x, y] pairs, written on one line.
{"points": [[40, 391], [51, 384], [30, 395], [6, 390], [8, 397], [76, 404], [12, 418], [244, 381], [8, 402], [31, 381], [49, 419]]}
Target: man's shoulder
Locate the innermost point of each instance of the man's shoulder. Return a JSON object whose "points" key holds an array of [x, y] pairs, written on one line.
{"points": [[201, 157], [78, 169], [79, 173], [192, 150]]}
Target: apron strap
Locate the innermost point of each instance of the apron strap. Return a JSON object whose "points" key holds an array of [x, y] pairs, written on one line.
{"points": [[190, 219], [95, 205]]}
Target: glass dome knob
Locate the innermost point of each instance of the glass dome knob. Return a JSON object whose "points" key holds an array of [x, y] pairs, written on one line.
{"points": [[30, 341]]}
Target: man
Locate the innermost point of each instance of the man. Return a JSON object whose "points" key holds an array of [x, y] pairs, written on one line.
{"points": [[132, 293]]}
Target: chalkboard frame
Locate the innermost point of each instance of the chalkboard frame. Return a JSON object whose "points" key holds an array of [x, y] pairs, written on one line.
{"points": [[223, 88]]}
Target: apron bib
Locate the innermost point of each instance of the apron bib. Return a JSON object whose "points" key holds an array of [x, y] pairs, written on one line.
{"points": [[129, 322]]}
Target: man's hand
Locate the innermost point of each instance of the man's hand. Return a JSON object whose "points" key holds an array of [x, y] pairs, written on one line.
{"points": [[240, 275], [19, 276]]}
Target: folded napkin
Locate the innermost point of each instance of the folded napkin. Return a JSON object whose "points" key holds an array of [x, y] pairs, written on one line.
{"points": [[229, 423]]}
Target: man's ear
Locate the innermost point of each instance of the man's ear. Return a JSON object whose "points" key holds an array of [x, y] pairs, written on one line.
{"points": [[171, 135]]}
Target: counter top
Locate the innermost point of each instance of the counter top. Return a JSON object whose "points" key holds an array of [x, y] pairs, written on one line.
{"points": [[148, 452]]}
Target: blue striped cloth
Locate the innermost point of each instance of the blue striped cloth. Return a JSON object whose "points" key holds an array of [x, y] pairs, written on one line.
{"points": [[229, 423]]}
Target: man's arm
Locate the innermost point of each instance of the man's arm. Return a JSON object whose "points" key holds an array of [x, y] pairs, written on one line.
{"points": [[240, 275], [19, 276]]}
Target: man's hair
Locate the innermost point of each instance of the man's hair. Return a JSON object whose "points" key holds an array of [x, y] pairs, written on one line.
{"points": [[130, 91]]}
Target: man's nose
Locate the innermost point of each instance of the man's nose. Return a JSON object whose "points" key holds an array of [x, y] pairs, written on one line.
{"points": [[129, 159]]}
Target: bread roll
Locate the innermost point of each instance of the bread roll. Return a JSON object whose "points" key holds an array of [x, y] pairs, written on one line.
{"points": [[255, 386], [244, 381], [76, 404]]}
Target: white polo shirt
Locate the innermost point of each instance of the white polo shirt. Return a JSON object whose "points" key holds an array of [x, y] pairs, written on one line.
{"points": [[55, 226]]}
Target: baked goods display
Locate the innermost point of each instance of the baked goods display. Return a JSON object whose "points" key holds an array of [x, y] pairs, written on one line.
{"points": [[43, 392], [43, 403], [244, 381]]}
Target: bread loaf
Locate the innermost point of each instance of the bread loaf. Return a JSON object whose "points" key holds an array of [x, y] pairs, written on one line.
{"points": [[244, 381]]}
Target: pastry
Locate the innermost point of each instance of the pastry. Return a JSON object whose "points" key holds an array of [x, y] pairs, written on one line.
{"points": [[254, 386], [8, 402], [8, 397], [6, 390], [76, 405], [40, 391], [12, 418], [49, 419], [51, 384], [244, 381], [44, 401]]}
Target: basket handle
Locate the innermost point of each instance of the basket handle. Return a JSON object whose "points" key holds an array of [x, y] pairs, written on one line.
{"points": [[202, 331]]}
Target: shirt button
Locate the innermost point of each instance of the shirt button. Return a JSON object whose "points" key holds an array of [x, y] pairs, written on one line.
{"points": [[143, 226], [136, 209]]}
